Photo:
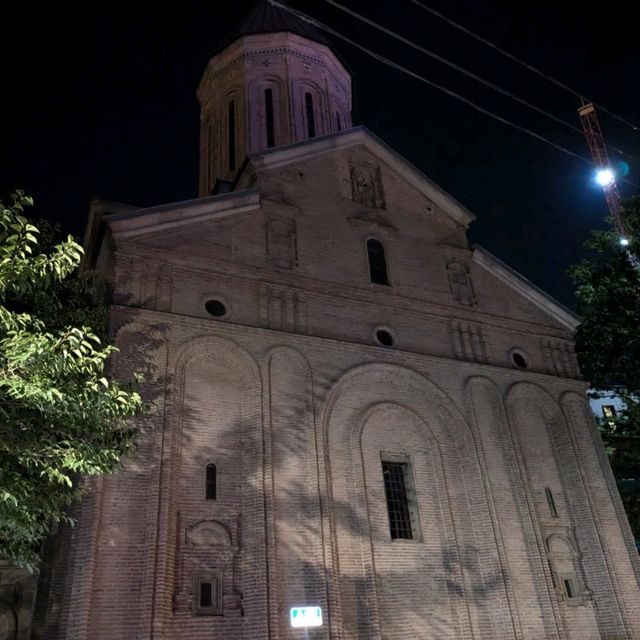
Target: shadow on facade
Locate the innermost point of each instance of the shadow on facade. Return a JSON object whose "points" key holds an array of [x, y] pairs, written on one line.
{"points": [[59, 552], [309, 533]]}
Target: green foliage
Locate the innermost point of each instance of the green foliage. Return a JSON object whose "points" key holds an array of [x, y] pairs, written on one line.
{"points": [[60, 414], [608, 345]]}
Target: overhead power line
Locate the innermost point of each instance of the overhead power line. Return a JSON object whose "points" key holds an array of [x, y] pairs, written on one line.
{"points": [[452, 65], [531, 68], [465, 72], [453, 94]]}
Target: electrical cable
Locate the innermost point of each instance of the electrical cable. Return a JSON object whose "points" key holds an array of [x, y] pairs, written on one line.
{"points": [[531, 68], [466, 72], [453, 94]]}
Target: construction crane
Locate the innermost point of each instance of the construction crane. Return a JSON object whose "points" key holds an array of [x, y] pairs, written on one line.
{"points": [[606, 177]]}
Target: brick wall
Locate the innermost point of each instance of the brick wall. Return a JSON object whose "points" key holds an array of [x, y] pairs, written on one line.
{"points": [[290, 395]]}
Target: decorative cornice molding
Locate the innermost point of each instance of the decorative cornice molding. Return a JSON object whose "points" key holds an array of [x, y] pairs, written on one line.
{"points": [[525, 288], [177, 214]]}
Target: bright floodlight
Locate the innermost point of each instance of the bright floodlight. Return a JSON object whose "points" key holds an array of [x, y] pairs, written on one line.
{"points": [[605, 177], [624, 242]]}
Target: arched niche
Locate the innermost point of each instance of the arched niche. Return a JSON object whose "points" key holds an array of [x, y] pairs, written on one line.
{"points": [[215, 413], [538, 425], [207, 534], [433, 427]]}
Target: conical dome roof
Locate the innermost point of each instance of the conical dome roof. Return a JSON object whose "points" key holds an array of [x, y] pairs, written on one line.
{"points": [[266, 17]]}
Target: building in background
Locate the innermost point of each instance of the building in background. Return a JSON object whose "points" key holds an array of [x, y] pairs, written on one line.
{"points": [[352, 408], [607, 405]]}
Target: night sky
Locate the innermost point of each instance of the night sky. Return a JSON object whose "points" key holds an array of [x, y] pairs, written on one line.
{"points": [[107, 107]]}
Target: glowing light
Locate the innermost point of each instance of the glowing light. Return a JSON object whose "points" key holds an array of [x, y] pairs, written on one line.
{"points": [[622, 169], [605, 177], [624, 242]]}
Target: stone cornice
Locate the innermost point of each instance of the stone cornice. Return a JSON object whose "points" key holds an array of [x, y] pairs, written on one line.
{"points": [[339, 292], [249, 47], [369, 353], [170, 216], [526, 289]]}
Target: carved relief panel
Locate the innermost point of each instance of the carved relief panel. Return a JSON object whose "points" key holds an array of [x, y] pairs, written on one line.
{"points": [[559, 357], [209, 578], [282, 250], [366, 185], [469, 341], [564, 562], [461, 284], [283, 309]]}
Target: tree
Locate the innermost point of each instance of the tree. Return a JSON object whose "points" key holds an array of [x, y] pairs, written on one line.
{"points": [[60, 414], [608, 347]]}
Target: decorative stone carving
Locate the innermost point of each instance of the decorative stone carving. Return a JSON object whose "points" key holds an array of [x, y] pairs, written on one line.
{"points": [[460, 283], [283, 309], [366, 185], [469, 341], [565, 570], [559, 357], [282, 248], [208, 533]]}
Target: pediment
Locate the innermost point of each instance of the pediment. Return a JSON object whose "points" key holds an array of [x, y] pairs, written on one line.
{"points": [[310, 150]]}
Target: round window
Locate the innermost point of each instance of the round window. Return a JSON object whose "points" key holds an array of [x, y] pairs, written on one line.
{"points": [[520, 359], [216, 308], [384, 338]]}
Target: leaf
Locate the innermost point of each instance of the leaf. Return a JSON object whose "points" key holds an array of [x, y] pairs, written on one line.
{"points": [[60, 414]]}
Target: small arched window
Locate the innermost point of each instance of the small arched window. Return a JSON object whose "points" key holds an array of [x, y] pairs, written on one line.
{"points": [[209, 153], [269, 118], [377, 262], [311, 116], [231, 131], [211, 482], [338, 121], [552, 503]]}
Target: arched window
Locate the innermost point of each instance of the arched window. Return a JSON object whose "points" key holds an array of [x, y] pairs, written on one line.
{"points": [[269, 118], [209, 152], [552, 503], [211, 482], [231, 132], [377, 262], [338, 121], [311, 116]]}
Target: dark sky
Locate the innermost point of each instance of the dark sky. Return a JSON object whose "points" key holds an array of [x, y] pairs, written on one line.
{"points": [[106, 105]]}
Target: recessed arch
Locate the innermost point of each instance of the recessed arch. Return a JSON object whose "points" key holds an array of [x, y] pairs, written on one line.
{"points": [[182, 474], [267, 107], [354, 398], [208, 533], [311, 102]]}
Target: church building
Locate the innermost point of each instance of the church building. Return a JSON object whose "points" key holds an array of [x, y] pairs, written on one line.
{"points": [[352, 409]]}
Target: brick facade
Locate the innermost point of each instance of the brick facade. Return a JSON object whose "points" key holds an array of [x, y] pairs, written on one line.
{"points": [[294, 400]]}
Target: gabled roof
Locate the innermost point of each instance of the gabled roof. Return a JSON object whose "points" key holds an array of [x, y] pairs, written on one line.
{"points": [[267, 18], [137, 222], [326, 145], [128, 224], [526, 288]]}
